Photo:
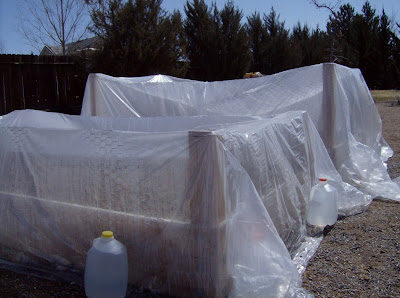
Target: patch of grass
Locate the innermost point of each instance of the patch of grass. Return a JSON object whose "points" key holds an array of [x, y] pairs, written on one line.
{"points": [[385, 95]]}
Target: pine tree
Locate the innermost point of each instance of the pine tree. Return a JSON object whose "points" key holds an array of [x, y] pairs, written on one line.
{"points": [[341, 30], [200, 34], [300, 43], [365, 40], [235, 53], [278, 53], [367, 31], [319, 42], [217, 43], [257, 42], [385, 47], [139, 38], [396, 60]]}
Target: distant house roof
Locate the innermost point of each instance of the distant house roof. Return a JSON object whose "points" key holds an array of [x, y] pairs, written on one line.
{"points": [[73, 47]]}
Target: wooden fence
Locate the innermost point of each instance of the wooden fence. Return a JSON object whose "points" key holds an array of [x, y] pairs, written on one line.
{"points": [[50, 83]]}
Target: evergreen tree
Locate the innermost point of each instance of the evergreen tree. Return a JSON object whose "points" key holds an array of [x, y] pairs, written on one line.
{"points": [[278, 53], [257, 41], [235, 53], [139, 38], [367, 25], [308, 47], [341, 30], [396, 60], [202, 41], [319, 42], [217, 41], [385, 47], [300, 44], [365, 40]]}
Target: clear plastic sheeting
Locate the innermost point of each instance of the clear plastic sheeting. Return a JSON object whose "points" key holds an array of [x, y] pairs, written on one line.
{"points": [[284, 157], [209, 206], [305, 252], [336, 98]]}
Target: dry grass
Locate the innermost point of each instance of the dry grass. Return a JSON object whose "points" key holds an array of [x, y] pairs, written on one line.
{"points": [[385, 95]]}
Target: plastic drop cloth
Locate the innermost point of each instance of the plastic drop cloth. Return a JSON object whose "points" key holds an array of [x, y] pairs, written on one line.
{"points": [[188, 213], [210, 205], [336, 98]]}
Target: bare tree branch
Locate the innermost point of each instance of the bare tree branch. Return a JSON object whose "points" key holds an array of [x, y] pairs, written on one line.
{"points": [[329, 6], [53, 22]]}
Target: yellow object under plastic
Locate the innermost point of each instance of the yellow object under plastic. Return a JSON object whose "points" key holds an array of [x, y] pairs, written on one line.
{"points": [[107, 234]]}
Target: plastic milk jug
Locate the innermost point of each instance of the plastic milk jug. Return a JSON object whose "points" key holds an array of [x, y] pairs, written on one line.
{"points": [[322, 209], [106, 271]]}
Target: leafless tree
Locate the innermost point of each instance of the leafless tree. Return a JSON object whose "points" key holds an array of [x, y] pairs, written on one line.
{"points": [[329, 5], [53, 22], [1, 47], [332, 6]]}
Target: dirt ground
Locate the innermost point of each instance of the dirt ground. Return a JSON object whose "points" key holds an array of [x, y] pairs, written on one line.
{"points": [[359, 257], [390, 114]]}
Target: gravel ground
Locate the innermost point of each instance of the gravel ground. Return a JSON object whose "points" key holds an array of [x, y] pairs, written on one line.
{"points": [[19, 285], [359, 257]]}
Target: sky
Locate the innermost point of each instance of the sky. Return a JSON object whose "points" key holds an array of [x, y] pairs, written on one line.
{"points": [[289, 11]]}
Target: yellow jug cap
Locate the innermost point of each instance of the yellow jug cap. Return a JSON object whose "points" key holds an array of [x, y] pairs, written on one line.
{"points": [[107, 234]]}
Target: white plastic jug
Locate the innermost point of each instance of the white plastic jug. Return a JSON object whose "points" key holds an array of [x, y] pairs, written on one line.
{"points": [[322, 209], [106, 271]]}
